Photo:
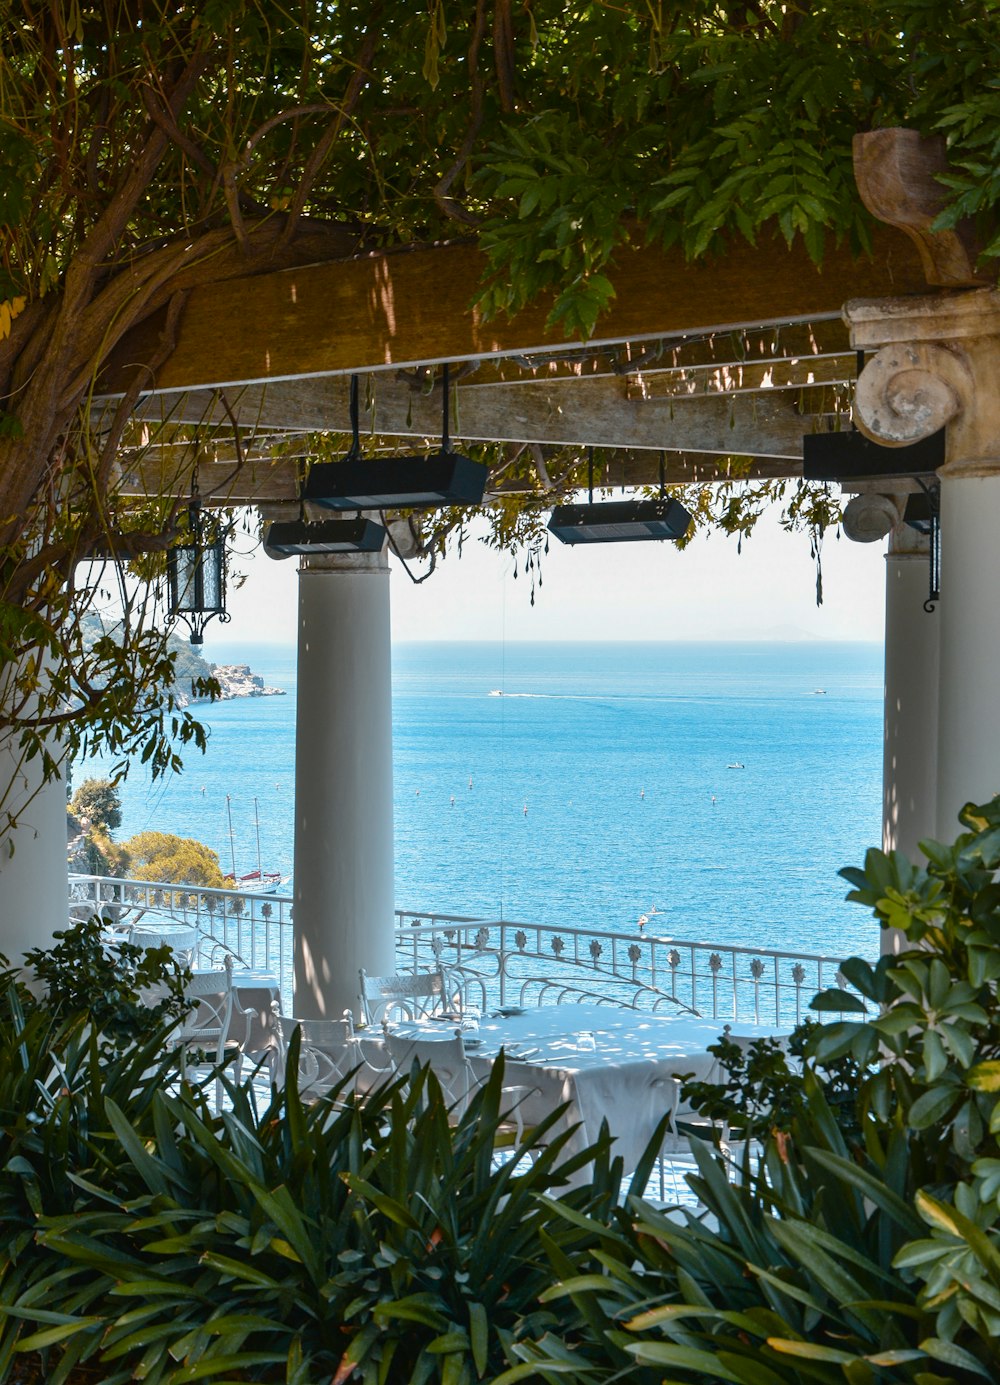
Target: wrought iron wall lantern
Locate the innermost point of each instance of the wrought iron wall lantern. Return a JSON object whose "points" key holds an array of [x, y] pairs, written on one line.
{"points": [[424, 481], [620, 521], [196, 573]]}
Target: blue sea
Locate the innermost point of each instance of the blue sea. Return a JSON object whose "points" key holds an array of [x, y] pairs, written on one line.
{"points": [[722, 784]]}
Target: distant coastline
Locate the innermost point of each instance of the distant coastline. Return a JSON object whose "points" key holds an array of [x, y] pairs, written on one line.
{"points": [[235, 680]]}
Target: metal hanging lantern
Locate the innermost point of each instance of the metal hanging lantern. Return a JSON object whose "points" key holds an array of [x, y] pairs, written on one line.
{"points": [[196, 574]]}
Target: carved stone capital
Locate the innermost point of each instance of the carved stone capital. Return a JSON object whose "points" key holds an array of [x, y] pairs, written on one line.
{"points": [[906, 393], [937, 362], [958, 316]]}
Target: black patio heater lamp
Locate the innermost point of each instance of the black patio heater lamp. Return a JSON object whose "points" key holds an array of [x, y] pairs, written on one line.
{"points": [[424, 481], [620, 521], [196, 573]]}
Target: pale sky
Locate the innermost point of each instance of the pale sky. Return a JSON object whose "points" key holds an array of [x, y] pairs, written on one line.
{"points": [[630, 591]]}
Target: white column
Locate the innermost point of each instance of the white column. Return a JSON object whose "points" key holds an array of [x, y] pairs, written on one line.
{"points": [[343, 891], [909, 760], [34, 886], [936, 365], [910, 720], [969, 729]]}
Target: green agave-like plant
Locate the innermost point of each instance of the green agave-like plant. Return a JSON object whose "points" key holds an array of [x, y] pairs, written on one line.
{"points": [[818, 1266], [150, 1238]]}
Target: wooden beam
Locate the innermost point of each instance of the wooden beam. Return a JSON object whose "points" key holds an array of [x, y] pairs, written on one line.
{"points": [[412, 308], [594, 412], [226, 479]]}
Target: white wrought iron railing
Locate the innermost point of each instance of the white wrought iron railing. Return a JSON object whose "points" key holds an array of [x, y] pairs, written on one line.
{"points": [[535, 964], [501, 962], [255, 928]]}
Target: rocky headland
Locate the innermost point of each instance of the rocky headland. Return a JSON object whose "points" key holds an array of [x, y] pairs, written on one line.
{"points": [[238, 680]]}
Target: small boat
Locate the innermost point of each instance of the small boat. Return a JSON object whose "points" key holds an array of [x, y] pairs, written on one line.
{"points": [[496, 692], [737, 765], [254, 881], [258, 880]]}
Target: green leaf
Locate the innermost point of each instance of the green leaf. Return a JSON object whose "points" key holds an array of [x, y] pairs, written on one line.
{"points": [[931, 1107], [984, 1077], [479, 1336], [686, 1358]]}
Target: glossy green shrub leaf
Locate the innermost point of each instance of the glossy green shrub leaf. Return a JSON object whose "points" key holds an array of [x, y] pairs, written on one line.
{"points": [[985, 1077], [930, 1108]]}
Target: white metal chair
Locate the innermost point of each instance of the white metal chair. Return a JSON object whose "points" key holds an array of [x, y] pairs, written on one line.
{"points": [[447, 1058], [253, 1029], [183, 942], [205, 1028], [327, 1052], [458, 1080], [405, 995]]}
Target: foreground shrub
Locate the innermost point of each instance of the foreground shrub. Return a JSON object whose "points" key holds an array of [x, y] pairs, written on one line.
{"points": [[124, 991], [866, 1246], [149, 1238]]}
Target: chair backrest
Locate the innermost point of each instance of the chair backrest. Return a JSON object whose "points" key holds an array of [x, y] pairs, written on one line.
{"points": [[182, 942], [447, 1058], [211, 997], [327, 1051], [406, 995]]}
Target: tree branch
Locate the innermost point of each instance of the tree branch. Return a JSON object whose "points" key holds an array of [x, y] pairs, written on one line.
{"points": [[449, 205], [318, 156]]}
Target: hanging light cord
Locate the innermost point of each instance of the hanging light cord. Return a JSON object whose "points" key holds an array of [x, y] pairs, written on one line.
{"points": [[445, 383], [933, 493], [354, 454]]}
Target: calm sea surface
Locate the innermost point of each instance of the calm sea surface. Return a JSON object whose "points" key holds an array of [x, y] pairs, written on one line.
{"points": [[724, 785]]}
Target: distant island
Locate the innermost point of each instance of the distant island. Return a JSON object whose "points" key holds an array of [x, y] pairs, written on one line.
{"points": [[235, 680]]}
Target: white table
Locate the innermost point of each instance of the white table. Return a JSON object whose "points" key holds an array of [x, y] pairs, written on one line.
{"points": [[629, 1078], [147, 928]]}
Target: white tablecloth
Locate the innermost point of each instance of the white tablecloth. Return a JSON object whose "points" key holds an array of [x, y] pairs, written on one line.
{"points": [[628, 1078]]}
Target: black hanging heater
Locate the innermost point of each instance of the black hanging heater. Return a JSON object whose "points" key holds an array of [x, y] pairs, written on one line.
{"points": [[620, 521], [424, 481]]}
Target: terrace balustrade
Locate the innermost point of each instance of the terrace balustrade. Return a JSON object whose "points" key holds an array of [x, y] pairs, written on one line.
{"points": [[499, 962]]}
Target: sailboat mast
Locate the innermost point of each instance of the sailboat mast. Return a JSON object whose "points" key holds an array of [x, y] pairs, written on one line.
{"points": [[256, 823], [232, 845]]}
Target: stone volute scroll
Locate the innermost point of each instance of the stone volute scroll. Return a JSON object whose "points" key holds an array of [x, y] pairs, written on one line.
{"points": [[897, 173], [936, 355], [909, 391], [936, 362]]}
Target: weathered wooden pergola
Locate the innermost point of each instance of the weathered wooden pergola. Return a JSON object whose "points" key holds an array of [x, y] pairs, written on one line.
{"points": [[741, 357]]}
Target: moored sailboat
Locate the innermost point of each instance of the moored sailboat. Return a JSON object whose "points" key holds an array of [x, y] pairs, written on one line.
{"points": [[253, 880]]}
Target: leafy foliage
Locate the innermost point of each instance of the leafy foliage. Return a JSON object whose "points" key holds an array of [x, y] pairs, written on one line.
{"points": [[865, 1245], [124, 991], [99, 802], [173, 860], [151, 1238]]}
